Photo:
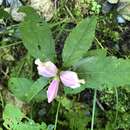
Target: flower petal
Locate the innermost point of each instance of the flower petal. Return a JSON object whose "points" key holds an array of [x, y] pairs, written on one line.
{"points": [[52, 90], [70, 79], [46, 69]]}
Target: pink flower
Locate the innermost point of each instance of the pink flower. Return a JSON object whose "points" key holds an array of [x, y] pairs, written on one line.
{"points": [[52, 90], [46, 69], [70, 79]]}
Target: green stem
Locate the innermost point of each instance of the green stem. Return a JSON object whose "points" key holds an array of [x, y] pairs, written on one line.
{"points": [[94, 106], [99, 43], [2, 101], [13, 44], [58, 23], [69, 12], [117, 102], [56, 119]]}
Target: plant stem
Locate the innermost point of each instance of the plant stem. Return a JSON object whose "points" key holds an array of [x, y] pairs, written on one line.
{"points": [[99, 43], [117, 102], [70, 13], [2, 101], [13, 44], [56, 119], [93, 112]]}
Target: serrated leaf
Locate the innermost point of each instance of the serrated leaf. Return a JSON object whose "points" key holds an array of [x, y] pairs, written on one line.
{"points": [[37, 37], [12, 115], [79, 41], [30, 126], [20, 87], [97, 52], [104, 72], [13, 120], [26, 89], [101, 72]]}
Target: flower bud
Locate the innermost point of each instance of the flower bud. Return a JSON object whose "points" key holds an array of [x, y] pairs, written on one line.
{"points": [[70, 79], [52, 90], [46, 69]]}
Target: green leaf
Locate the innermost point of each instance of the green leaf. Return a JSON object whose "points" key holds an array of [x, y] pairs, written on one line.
{"points": [[101, 72], [12, 115], [3, 14], [79, 41], [40, 96], [66, 103], [30, 126], [36, 36], [77, 119], [30, 13], [74, 91], [104, 72], [36, 88], [26, 89], [96, 52], [20, 87]]}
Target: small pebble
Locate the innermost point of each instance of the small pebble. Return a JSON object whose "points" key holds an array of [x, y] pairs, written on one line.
{"points": [[120, 20], [1, 2], [113, 1]]}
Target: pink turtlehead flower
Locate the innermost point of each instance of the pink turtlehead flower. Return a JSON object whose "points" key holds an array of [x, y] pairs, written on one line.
{"points": [[46, 69], [70, 79], [52, 90]]}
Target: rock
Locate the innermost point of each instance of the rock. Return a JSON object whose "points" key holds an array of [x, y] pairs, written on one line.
{"points": [[17, 16], [120, 19], [44, 7], [106, 8], [126, 12], [113, 1], [121, 5], [1, 1], [13, 10], [10, 98]]}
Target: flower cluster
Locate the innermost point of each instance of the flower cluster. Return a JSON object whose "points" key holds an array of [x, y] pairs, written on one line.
{"points": [[49, 70]]}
